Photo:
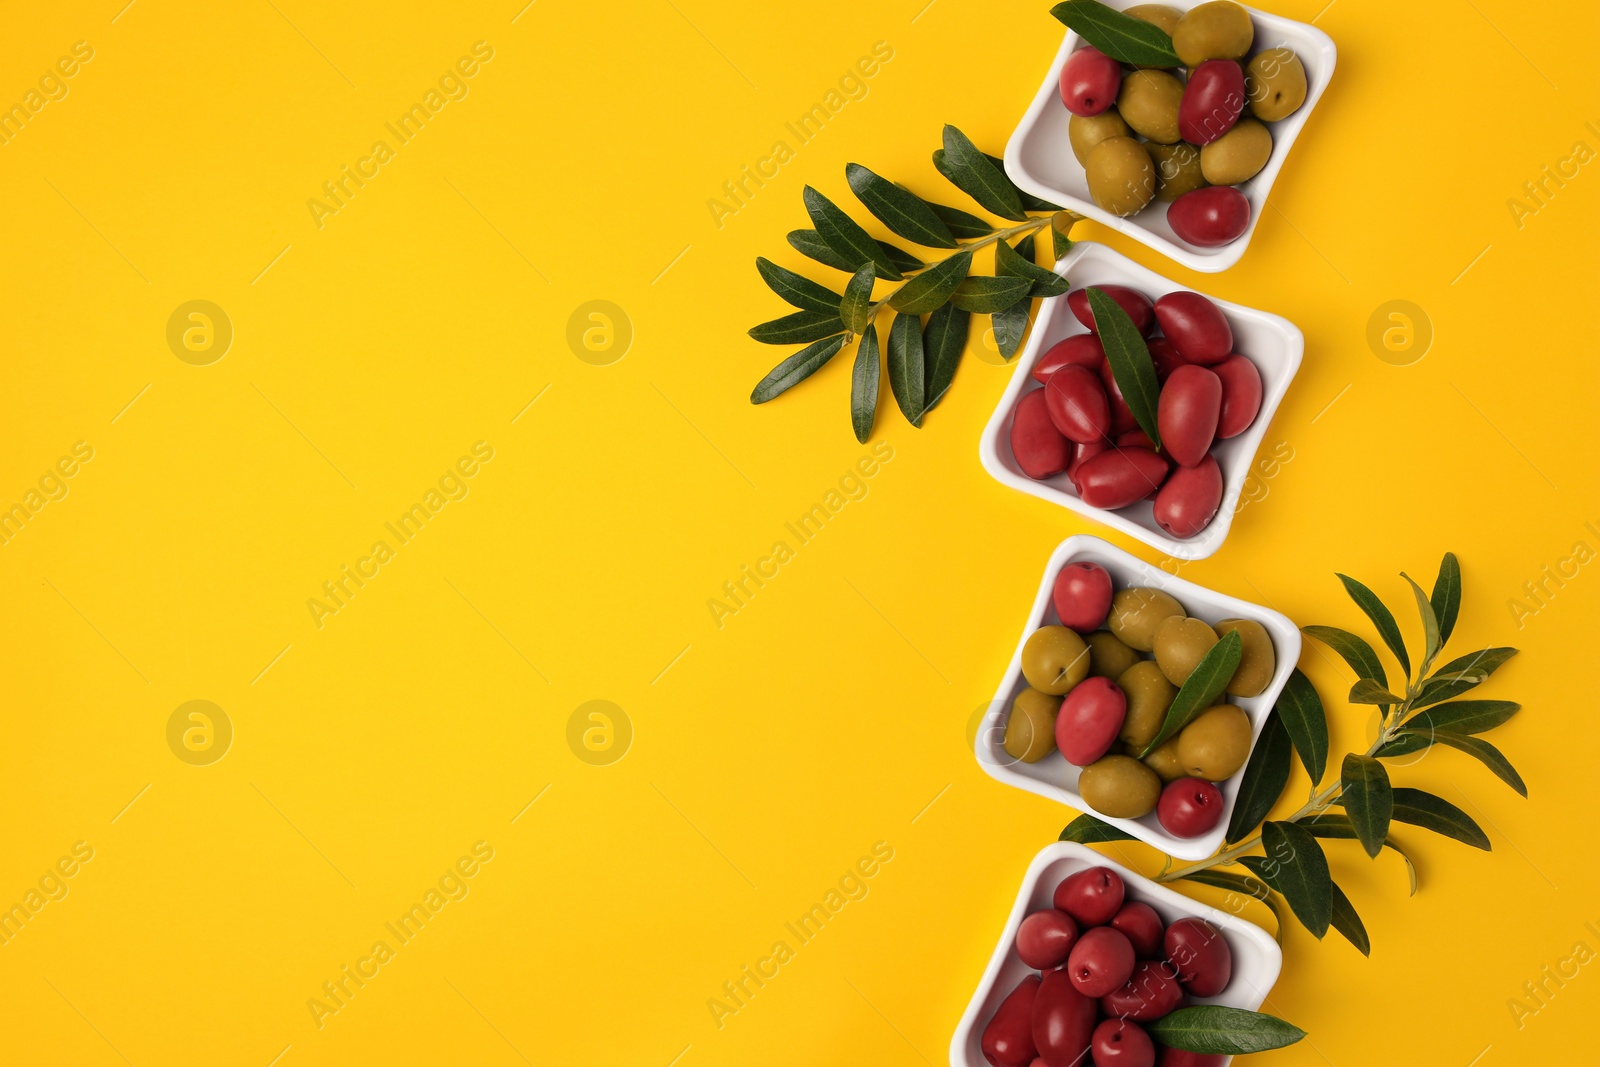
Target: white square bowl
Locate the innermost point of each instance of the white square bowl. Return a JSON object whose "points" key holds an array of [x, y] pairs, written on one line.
{"points": [[1039, 157], [1273, 343], [1257, 959], [1057, 779]]}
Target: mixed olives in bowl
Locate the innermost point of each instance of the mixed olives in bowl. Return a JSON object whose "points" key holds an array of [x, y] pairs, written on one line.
{"points": [[1109, 644]]}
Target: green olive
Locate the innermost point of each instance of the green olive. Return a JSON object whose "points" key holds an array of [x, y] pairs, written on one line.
{"points": [[1086, 131], [1149, 103], [1136, 612], [1108, 657], [1257, 663], [1165, 762], [1149, 696], [1220, 29], [1157, 15], [1119, 786], [1177, 169], [1216, 743], [1031, 729], [1238, 155], [1054, 660], [1275, 84], [1121, 177], [1179, 645]]}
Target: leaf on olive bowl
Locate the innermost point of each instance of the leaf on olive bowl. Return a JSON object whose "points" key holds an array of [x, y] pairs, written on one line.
{"points": [[1204, 684], [1214, 1029], [1122, 37]]}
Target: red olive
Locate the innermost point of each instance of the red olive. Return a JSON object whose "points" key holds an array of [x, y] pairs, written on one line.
{"points": [[1045, 938], [1212, 101], [1008, 1039], [1164, 356], [1189, 807], [1122, 419], [1040, 449], [1081, 349], [1119, 1043], [1119, 477], [1090, 719], [1196, 327], [1189, 498], [1135, 303], [1177, 1057], [1063, 1021], [1241, 396], [1141, 925], [1135, 439], [1187, 413], [1082, 596], [1084, 452], [1200, 955], [1149, 993], [1091, 79], [1091, 896], [1101, 961], [1077, 404], [1209, 217]]}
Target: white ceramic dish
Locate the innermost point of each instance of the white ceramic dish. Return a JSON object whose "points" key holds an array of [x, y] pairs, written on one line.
{"points": [[1057, 779], [1273, 343], [1257, 959], [1039, 158]]}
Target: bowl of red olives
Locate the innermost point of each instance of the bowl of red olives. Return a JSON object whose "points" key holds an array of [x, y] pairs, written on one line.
{"points": [[1179, 158], [1063, 432], [1093, 956]]}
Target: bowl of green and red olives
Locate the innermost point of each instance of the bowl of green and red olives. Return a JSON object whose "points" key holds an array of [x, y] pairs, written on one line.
{"points": [[1093, 955], [1180, 158], [1083, 708]]}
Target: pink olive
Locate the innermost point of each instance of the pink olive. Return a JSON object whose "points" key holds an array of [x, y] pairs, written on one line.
{"points": [[1212, 101], [1135, 303], [1090, 719], [1081, 349], [1119, 477], [1135, 439], [1119, 1043], [1077, 404], [1209, 217], [1241, 396], [1189, 498], [1177, 1057], [1090, 81], [1196, 327], [1038, 446], [1082, 596], [1141, 925], [1101, 961], [1189, 807], [1200, 955], [1122, 419], [1187, 413], [1063, 1021], [1045, 938], [1092, 896], [1008, 1039], [1150, 992], [1083, 453]]}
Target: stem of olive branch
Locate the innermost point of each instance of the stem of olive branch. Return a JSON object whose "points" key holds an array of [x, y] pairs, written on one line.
{"points": [[1033, 225]]}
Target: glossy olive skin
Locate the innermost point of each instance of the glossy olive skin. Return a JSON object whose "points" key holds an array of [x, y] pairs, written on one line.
{"points": [[1122, 419], [1258, 660], [1241, 395], [1082, 598], [1215, 745], [1102, 960], [1149, 104], [1179, 645], [1038, 446], [1150, 992], [1187, 413], [1149, 696], [1142, 927], [1189, 807], [1091, 716], [1091, 896], [1189, 498], [1119, 477], [1079, 350], [1196, 326], [1135, 303], [1078, 406], [1212, 101], [1275, 83], [1089, 81], [1200, 955], [1045, 938], [1177, 169], [1120, 786], [1081, 454], [1054, 659], [1031, 727], [1120, 1043], [1177, 1057], [1164, 356], [1122, 180], [1164, 761], [1210, 217], [1238, 155], [1134, 438], [1063, 1020], [1217, 30], [1160, 15], [1008, 1039], [1136, 612], [1108, 657], [1086, 131]]}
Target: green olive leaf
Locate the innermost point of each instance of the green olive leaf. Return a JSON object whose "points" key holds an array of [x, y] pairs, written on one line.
{"points": [[1444, 685], [797, 289], [1060, 242], [845, 236], [1213, 1029], [1367, 691], [1088, 830], [1417, 808], [1446, 598], [1487, 660], [1381, 618], [1129, 357], [1296, 867], [985, 296], [1244, 885], [1354, 650], [797, 368], [1464, 716], [798, 328], [1368, 800], [1010, 262], [1490, 756], [1303, 717], [903, 261], [1264, 778], [1010, 327], [1207, 681], [809, 243], [864, 385], [944, 340], [972, 172], [1333, 824], [854, 308], [1025, 249], [1029, 201], [928, 290], [906, 366], [1347, 922], [903, 211], [1430, 622], [1122, 37], [963, 225]]}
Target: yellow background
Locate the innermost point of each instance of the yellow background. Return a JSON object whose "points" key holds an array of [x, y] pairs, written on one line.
{"points": [[830, 713]]}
